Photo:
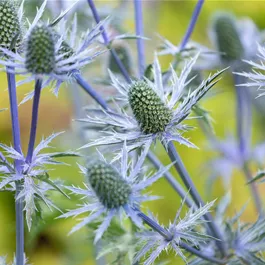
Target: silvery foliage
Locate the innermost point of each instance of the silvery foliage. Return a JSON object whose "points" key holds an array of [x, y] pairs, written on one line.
{"points": [[186, 229], [124, 125], [244, 241], [77, 56], [33, 177], [4, 262], [257, 76], [96, 208]]}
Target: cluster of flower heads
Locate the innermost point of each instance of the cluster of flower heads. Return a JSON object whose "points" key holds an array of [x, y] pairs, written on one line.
{"points": [[45, 51]]}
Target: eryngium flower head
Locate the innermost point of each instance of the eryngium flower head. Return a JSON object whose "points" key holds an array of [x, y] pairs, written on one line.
{"points": [[158, 112], [227, 37], [10, 28], [40, 51], [180, 231], [60, 62], [110, 191], [149, 110]]}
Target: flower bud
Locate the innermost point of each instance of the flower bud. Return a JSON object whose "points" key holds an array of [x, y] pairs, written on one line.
{"points": [[123, 52], [111, 189], [149, 110], [227, 37], [10, 31], [40, 50]]}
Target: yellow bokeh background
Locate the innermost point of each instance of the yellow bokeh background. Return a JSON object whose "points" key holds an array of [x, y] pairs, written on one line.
{"points": [[48, 242]]}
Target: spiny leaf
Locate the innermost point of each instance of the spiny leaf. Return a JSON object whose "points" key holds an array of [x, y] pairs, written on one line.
{"points": [[46, 178], [259, 176]]}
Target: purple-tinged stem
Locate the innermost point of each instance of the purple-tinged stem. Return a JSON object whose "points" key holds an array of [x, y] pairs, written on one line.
{"points": [[139, 32], [168, 236], [174, 184], [244, 120], [92, 92], [193, 21], [107, 42], [34, 119], [17, 145], [192, 24], [185, 177]]}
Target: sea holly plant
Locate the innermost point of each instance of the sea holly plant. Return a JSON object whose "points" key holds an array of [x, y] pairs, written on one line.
{"points": [[148, 107]]}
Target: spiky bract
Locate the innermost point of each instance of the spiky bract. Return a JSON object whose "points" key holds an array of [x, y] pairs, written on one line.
{"points": [[227, 37], [40, 50], [112, 190], [149, 110]]}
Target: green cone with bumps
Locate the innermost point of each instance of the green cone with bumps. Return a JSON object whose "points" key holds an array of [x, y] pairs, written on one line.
{"points": [[227, 37], [40, 50], [149, 110], [111, 189], [10, 29]]}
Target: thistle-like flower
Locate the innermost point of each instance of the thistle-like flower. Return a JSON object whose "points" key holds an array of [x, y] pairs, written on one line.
{"points": [[110, 191], [10, 24], [157, 112], [49, 55], [231, 158], [34, 178], [179, 232]]}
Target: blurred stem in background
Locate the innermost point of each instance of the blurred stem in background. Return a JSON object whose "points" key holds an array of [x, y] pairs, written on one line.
{"points": [[17, 145], [243, 127], [107, 42], [139, 28], [186, 38]]}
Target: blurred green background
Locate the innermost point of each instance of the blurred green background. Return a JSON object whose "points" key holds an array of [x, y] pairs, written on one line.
{"points": [[48, 242]]}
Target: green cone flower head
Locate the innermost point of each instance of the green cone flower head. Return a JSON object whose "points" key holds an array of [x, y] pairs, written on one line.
{"points": [[10, 30], [40, 50], [227, 37], [111, 189], [149, 110]]}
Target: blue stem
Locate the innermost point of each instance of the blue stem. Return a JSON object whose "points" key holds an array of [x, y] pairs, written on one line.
{"points": [[243, 118], [192, 24], [193, 21], [140, 32], [34, 119], [17, 145], [93, 93], [107, 42], [168, 236], [178, 164], [173, 182]]}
